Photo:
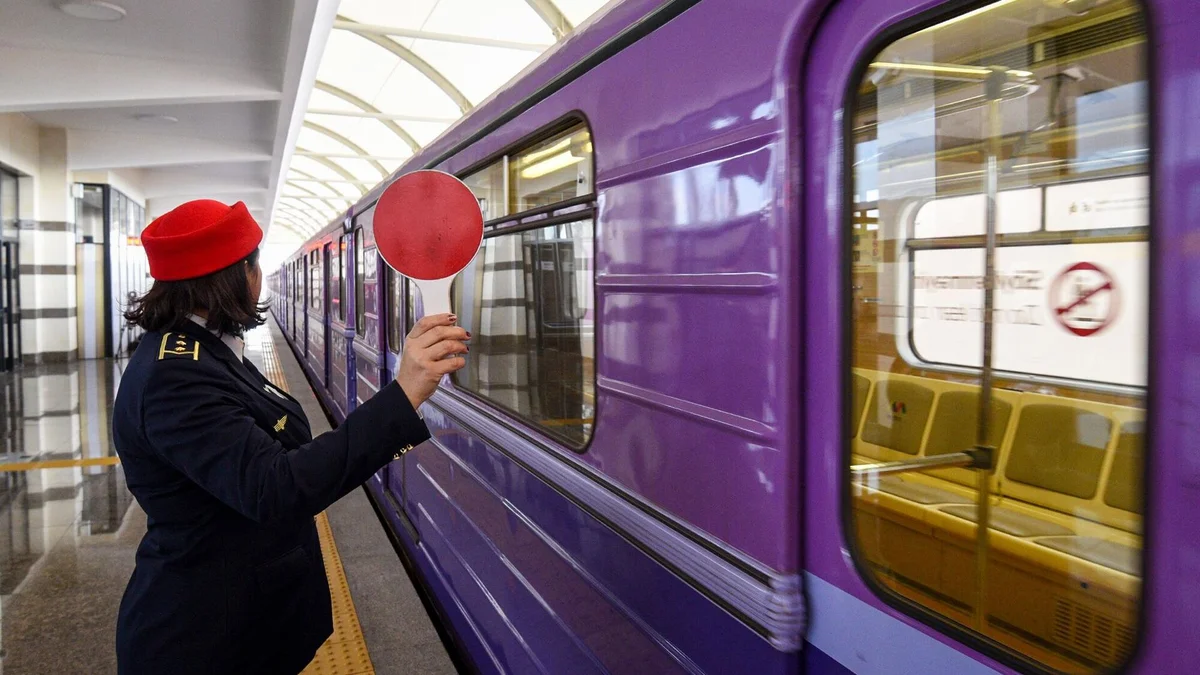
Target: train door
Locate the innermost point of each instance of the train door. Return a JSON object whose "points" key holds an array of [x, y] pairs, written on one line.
{"points": [[399, 309], [982, 239]]}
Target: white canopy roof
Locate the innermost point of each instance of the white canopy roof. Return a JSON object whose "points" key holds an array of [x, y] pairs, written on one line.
{"points": [[395, 75]]}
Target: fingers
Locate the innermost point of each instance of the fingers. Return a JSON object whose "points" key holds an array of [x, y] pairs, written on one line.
{"points": [[447, 366], [429, 322], [439, 333], [445, 348]]}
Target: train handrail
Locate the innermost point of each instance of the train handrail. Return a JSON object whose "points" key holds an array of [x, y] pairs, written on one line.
{"points": [[975, 458]]}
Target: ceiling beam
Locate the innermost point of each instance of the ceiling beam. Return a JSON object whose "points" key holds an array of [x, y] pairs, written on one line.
{"points": [[388, 31], [302, 214], [300, 230], [327, 201], [359, 151], [379, 115], [339, 170], [331, 181], [291, 227], [368, 108], [343, 155], [464, 104], [555, 20], [311, 195], [89, 150], [35, 80], [309, 178]]}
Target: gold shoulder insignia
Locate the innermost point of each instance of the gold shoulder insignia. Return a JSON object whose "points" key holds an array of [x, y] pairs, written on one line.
{"points": [[178, 345], [280, 424]]}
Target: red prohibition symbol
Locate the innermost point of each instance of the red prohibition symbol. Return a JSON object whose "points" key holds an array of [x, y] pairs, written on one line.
{"points": [[1084, 299]]}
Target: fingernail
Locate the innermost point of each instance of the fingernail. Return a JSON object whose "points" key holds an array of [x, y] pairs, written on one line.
{"points": [[453, 317], [468, 333]]}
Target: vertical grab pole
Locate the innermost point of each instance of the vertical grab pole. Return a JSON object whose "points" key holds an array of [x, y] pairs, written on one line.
{"points": [[994, 88]]}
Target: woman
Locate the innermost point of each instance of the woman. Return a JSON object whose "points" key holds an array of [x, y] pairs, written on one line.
{"points": [[229, 576]]}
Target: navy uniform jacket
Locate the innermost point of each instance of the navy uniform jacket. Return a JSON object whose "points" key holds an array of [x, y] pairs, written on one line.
{"points": [[229, 576]]}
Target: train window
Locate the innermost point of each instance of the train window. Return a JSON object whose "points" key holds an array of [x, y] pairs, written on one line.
{"points": [[553, 171], [394, 321], [314, 283], [360, 281], [998, 245], [337, 278], [410, 302], [488, 186], [528, 300]]}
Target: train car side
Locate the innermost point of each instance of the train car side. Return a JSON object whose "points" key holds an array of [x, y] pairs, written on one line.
{"points": [[641, 469]]}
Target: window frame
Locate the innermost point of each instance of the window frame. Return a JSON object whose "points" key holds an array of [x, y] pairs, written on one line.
{"points": [[584, 207], [942, 625]]}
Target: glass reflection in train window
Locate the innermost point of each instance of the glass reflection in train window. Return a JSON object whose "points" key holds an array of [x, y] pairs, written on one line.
{"points": [[314, 284], [394, 301], [360, 280], [528, 301], [553, 171], [488, 186], [1012, 138]]}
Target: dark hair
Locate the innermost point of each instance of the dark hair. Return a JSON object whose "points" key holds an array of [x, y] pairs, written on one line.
{"points": [[223, 295]]}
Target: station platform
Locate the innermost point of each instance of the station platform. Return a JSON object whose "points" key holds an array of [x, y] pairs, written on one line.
{"points": [[69, 528]]}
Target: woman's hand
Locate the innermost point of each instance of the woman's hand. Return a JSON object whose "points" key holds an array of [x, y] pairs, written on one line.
{"points": [[431, 351]]}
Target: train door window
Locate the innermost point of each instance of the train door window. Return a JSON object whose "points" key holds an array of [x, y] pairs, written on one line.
{"points": [[998, 251], [343, 276], [337, 280], [528, 297], [360, 281]]}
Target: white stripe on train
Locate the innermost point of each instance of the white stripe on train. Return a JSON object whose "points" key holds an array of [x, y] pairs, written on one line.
{"points": [[868, 641]]}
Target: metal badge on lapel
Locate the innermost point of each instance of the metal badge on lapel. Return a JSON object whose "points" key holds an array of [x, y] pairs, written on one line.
{"points": [[280, 424], [178, 345]]}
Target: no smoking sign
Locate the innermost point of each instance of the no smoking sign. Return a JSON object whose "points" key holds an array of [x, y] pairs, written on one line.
{"points": [[1084, 299]]}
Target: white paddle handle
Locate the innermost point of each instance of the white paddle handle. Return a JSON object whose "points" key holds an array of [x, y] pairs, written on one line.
{"points": [[435, 295]]}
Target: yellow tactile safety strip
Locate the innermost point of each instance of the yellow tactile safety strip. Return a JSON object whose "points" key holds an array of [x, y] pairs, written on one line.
{"points": [[58, 464], [345, 652]]}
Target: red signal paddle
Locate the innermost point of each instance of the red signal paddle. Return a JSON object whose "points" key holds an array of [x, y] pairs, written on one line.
{"points": [[428, 227]]}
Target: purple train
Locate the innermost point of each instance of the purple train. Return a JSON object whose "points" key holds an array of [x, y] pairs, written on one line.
{"points": [[777, 302]]}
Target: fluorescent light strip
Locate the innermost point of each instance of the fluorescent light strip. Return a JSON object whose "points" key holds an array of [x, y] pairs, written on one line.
{"points": [[948, 70], [550, 165]]}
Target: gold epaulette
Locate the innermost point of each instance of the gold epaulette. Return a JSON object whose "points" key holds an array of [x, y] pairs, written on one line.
{"points": [[179, 345]]}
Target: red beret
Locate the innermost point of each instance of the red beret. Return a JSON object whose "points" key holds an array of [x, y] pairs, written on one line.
{"points": [[198, 238]]}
